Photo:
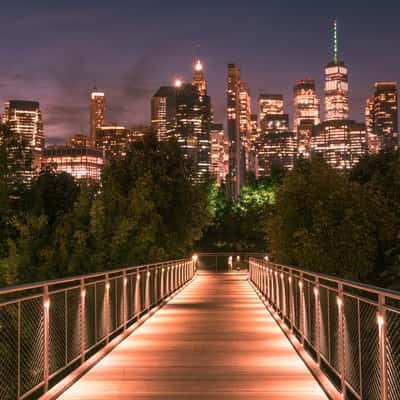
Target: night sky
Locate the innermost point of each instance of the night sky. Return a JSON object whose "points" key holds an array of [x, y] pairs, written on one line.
{"points": [[56, 51]]}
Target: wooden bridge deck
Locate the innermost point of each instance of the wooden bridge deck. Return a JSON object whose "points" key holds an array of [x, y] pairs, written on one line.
{"points": [[214, 340]]}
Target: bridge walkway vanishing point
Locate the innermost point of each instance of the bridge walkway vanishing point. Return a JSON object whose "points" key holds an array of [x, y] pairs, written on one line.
{"points": [[214, 340]]}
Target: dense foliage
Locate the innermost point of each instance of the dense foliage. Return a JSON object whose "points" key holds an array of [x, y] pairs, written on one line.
{"points": [[326, 221], [148, 207]]}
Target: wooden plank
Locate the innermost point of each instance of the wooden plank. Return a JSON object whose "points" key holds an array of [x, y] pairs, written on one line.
{"points": [[215, 340]]}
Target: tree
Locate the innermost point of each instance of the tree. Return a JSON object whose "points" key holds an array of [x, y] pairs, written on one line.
{"points": [[323, 222]]}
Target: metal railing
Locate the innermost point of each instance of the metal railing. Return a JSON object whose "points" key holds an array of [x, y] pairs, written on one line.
{"points": [[351, 330], [225, 261], [49, 329]]}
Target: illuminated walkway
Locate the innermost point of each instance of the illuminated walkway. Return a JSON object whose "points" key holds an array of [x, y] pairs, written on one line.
{"points": [[215, 340]]}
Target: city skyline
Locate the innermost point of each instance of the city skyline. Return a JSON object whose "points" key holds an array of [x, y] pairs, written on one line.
{"points": [[296, 44]]}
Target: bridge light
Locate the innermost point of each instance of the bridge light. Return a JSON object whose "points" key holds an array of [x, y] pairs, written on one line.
{"points": [[380, 321], [83, 293], [290, 279], [266, 258], [138, 276], [108, 286], [281, 275], [148, 273], [125, 281], [47, 304], [339, 301], [315, 292], [300, 284], [276, 273], [195, 257]]}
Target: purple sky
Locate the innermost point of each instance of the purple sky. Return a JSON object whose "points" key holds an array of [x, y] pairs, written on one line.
{"points": [[55, 52]]}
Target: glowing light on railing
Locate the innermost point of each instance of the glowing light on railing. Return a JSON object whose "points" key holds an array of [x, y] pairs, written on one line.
{"points": [[281, 275], [315, 291], [47, 304], [300, 284], [266, 258], [339, 301], [108, 286], [380, 320], [138, 276], [195, 257], [83, 293], [125, 281], [148, 273], [168, 269], [276, 273], [162, 269], [290, 279]]}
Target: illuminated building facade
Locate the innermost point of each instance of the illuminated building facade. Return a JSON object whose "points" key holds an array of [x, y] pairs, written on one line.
{"points": [[385, 114], [336, 86], [79, 140], [25, 120], [245, 122], [163, 112], [218, 147], [112, 141], [97, 111], [236, 165], [275, 150], [193, 126], [138, 133], [199, 80], [271, 113], [83, 163], [342, 143], [373, 141], [306, 113]]}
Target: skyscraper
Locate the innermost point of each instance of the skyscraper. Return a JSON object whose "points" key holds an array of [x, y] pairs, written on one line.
{"points": [[336, 85], [245, 123], [272, 115], [183, 111], [385, 114], [163, 112], [97, 111], [199, 80], [217, 165], [25, 119], [342, 143], [373, 141], [112, 141], [306, 114], [236, 173]]}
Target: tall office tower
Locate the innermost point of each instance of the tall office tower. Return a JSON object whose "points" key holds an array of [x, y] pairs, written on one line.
{"points": [[373, 141], [138, 132], [163, 112], [112, 141], [217, 165], [254, 134], [193, 126], [272, 116], [385, 114], [199, 80], [336, 85], [306, 114], [25, 119], [275, 150], [342, 143], [83, 163], [97, 111], [245, 122], [236, 172]]}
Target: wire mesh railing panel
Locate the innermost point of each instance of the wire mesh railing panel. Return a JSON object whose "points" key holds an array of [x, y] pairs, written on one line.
{"points": [[393, 354], [333, 314], [74, 321], [57, 332], [324, 329], [32, 344], [130, 295], [370, 365], [296, 303], [102, 311], [352, 343], [9, 360], [90, 316], [309, 313]]}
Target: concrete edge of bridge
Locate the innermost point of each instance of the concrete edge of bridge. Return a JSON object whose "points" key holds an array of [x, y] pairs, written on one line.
{"points": [[325, 384], [58, 389]]}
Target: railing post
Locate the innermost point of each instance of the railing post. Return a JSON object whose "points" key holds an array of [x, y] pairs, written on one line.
{"points": [[291, 300], [381, 320], [340, 303], [83, 319], [46, 314], [107, 308], [317, 321], [124, 299], [302, 319]]}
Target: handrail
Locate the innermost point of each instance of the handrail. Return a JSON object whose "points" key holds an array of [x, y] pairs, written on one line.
{"points": [[349, 329], [46, 335]]}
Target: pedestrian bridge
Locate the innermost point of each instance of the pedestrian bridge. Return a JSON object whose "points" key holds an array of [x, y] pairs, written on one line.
{"points": [[213, 327]]}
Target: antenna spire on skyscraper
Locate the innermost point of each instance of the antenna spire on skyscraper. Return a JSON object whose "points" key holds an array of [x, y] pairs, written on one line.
{"points": [[335, 42]]}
